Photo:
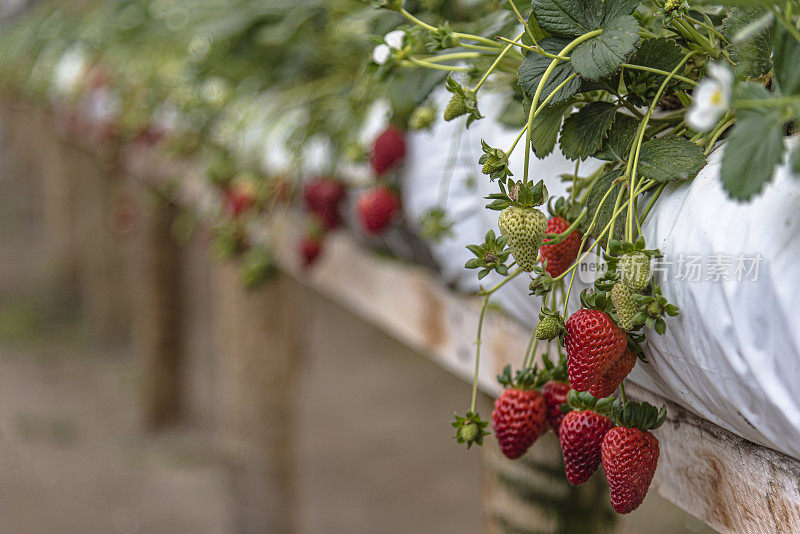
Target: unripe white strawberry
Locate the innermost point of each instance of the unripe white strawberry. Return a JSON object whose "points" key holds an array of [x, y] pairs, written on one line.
{"points": [[525, 229]]}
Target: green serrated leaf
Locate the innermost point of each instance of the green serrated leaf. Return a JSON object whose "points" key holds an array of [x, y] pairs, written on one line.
{"points": [[750, 53], [661, 53], [584, 131], [568, 17], [617, 145], [545, 128], [614, 8], [604, 183], [534, 65], [670, 159], [754, 148], [786, 54], [602, 55]]}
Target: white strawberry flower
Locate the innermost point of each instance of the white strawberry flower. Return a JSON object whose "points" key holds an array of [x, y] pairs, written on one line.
{"points": [[381, 53], [395, 39], [711, 98], [391, 41]]}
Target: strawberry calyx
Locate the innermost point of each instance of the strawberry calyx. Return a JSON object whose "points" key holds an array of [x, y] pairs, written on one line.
{"points": [[490, 255], [470, 429], [597, 300], [641, 415], [519, 194], [652, 309], [541, 283], [494, 161], [583, 400], [562, 208], [524, 379]]}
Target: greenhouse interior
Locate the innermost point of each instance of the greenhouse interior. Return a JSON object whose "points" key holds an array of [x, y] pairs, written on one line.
{"points": [[395, 266]]}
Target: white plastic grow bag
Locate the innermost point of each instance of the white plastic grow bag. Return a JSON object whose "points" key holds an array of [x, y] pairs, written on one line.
{"points": [[733, 355]]}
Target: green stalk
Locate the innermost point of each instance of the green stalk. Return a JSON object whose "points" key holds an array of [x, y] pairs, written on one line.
{"points": [[658, 71], [535, 50], [634, 163], [540, 88], [496, 62], [478, 340], [478, 354], [425, 64], [417, 21]]}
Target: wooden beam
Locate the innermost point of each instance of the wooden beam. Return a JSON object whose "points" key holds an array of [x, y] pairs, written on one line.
{"points": [[157, 313]]}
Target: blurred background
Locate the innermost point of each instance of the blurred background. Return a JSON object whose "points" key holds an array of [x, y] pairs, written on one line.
{"points": [[146, 385]]}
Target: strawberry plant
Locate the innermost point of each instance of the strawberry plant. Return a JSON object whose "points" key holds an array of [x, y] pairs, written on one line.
{"points": [[648, 89]]}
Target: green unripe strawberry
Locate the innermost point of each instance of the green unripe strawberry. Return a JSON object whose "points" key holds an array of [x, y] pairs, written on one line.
{"points": [[455, 108], [490, 164], [422, 118], [469, 432], [672, 5], [634, 270], [547, 329], [525, 229], [624, 305]]}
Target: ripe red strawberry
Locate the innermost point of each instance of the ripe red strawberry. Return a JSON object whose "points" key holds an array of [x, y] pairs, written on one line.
{"points": [[240, 197], [376, 208], [519, 418], [561, 255], [555, 394], [581, 436], [630, 458], [387, 151], [594, 342], [310, 248], [612, 378], [322, 197]]}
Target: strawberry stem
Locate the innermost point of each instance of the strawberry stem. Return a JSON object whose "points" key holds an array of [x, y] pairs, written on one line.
{"points": [[478, 353]]}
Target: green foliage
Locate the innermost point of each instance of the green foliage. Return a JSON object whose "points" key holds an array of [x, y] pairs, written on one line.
{"points": [[670, 159], [583, 132], [605, 210], [755, 147], [534, 66], [661, 53], [490, 255], [618, 143], [750, 33], [601, 56], [787, 53], [545, 128]]}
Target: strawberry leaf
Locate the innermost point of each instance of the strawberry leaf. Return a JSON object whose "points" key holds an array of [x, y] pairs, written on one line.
{"points": [[787, 50], [602, 55], [584, 131], [568, 17], [534, 65], [670, 159], [754, 148], [545, 128]]}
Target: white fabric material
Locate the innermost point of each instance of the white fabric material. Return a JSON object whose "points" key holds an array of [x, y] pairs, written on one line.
{"points": [[733, 355]]}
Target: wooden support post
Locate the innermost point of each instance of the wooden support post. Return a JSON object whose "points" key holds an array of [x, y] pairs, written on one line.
{"points": [[532, 495], [157, 324], [58, 216], [260, 347], [104, 290]]}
